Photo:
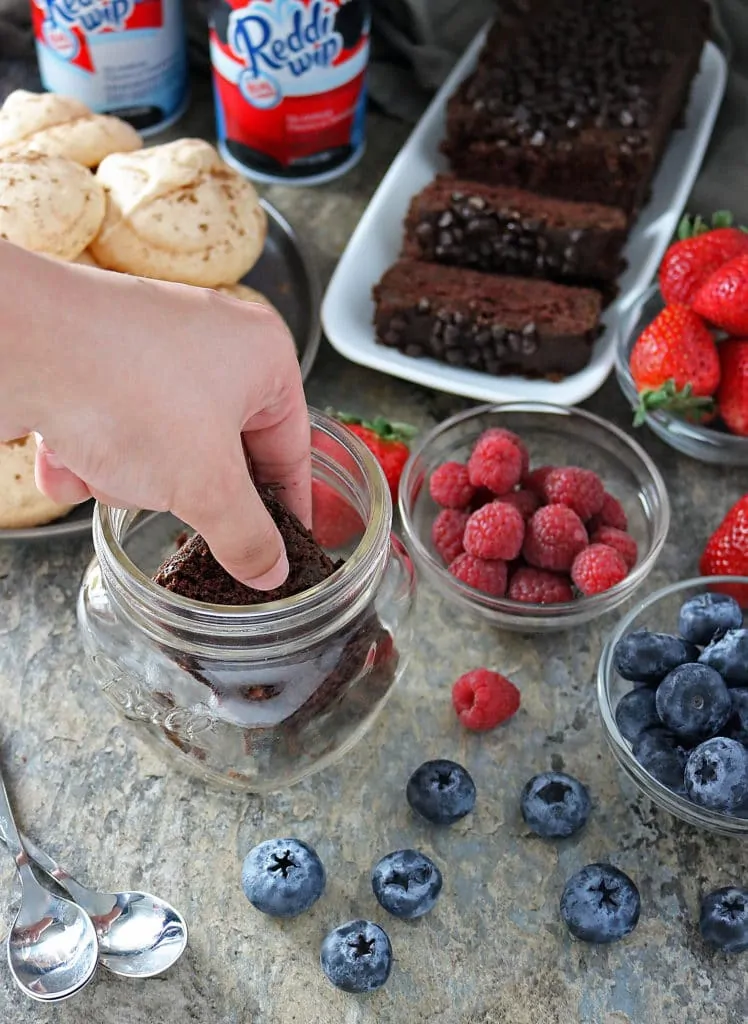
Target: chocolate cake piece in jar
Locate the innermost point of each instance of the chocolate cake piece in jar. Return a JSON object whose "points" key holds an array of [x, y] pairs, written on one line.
{"points": [[577, 100], [510, 231], [491, 323]]}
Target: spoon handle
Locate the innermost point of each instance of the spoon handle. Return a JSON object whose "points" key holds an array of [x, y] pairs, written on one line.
{"points": [[50, 867], [10, 829]]}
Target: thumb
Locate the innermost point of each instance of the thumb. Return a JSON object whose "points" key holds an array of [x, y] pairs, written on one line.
{"points": [[235, 524]]}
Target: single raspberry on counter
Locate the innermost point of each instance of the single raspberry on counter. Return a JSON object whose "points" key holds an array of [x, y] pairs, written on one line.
{"points": [[447, 532], [526, 502], [581, 490], [483, 699], [554, 537], [538, 586], [515, 439], [450, 485], [535, 481], [495, 531], [480, 574], [598, 568], [496, 463], [611, 514], [621, 542]]}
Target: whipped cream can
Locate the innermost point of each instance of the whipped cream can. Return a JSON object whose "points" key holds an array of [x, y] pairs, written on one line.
{"points": [[122, 57], [289, 78]]}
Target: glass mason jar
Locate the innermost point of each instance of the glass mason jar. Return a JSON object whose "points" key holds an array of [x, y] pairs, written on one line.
{"points": [[255, 697]]}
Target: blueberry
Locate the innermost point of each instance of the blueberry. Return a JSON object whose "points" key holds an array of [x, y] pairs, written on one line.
{"points": [[647, 657], [693, 702], [728, 655], [706, 614], [600, 904], [406, 883], [724, 919], [737, 726], [636, 711], [357, 956], [441, 792], [657, 751], [717, 775], [283, 877], [555, 805]]}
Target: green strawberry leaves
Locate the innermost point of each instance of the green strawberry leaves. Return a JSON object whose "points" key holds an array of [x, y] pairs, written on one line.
{"points": [[681, 403], [379, 425], [691, 227]]}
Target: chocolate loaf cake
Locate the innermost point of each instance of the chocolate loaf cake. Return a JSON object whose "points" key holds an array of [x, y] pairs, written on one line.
{"points": [[193, 571], [511, 231], [495, 324], [577, 99]]}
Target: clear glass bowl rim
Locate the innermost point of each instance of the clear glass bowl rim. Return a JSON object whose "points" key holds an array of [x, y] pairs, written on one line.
{"points": [[678, 806]]}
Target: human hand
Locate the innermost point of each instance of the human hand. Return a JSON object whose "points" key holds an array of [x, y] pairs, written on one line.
{"points": [[147, 395]]}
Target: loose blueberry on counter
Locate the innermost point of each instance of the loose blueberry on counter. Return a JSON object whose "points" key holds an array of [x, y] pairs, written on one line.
{"points": [[636, 711], [717, 775], [737, 725], [406, 883], [728, 655], [600, 904], [693, 702], [357, 956], [441, 791], [283, 877], [723, 922], [555, 805], [706, 614], [647, 657], [657, 751]]}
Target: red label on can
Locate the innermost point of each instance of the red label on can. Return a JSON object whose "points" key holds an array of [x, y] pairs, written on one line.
{"points": [[289, 79]]}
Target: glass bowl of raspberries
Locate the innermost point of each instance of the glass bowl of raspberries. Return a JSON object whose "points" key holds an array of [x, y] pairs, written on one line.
{"points": [[534, 516], [672, 686], [704, 433]]}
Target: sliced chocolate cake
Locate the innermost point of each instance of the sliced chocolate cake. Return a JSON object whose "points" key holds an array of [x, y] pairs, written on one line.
{"points": [[486, 322], [511, 231], [577, 99]]}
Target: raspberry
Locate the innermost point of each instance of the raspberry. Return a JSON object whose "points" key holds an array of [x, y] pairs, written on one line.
{"points": [[484, 699], [496, 463], [515, 439], [480, 574], [611, 514], [598, 568], [526, 502], [495, 531], [554, 537], [447, 531], [450, 487], [581, 490], [621, 542], [536, 586], [535, 481]]}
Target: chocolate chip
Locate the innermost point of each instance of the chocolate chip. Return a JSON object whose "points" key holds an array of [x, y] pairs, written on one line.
{"points": [[413, 350], [477, 202], [424, 231], [451, 334], [445, 220], [397, 323], [424, 305]]}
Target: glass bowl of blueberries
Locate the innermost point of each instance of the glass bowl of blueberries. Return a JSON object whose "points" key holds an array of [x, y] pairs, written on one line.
{"points": [[672, 687], [532, 516]]}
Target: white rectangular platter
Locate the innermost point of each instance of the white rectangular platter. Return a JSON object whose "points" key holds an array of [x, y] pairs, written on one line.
{"points": [[348, 309]]}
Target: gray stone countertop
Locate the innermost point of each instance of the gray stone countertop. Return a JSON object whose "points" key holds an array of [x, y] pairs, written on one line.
{"points": [[494, 949]]}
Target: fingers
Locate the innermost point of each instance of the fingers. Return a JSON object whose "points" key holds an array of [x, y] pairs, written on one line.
{"points": [[55, 480], [280, 454], [237, 527]]}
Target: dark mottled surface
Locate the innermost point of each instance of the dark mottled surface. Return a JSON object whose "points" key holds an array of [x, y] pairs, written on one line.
{"points": [[493, 950]]}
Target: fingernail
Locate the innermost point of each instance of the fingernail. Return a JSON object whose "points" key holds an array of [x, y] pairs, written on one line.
{"points": [[271, 579]]}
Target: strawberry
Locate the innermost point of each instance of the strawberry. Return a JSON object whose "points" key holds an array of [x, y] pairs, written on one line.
{"points": [[726, 551], [675, 365], [335, 522], [732, 396], [723, 298], [699, 251]]}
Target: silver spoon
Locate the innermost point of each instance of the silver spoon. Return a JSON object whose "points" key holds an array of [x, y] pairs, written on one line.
{"points": [[139, 935], [52, 948]]}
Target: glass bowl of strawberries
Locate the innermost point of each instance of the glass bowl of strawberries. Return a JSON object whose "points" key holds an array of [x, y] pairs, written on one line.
{"points": [[533, 516], [682, 346]]}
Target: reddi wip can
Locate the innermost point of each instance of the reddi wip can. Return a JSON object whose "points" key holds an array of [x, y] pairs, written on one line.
{"points": [[122, 57], [290, 86]]}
